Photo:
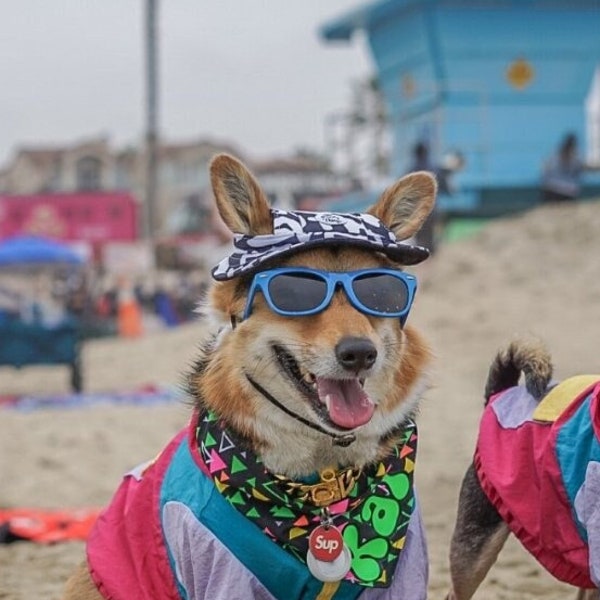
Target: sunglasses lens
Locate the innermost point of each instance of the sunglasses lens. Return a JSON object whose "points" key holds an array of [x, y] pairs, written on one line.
{"points": [[297, 292], [381, 293]]}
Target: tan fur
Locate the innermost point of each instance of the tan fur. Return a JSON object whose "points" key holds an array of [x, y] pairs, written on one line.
{"points": [[241, 203], [395, 382], [80, 586], [313, 340], [467, 574], [405, 205], [588, 595]]}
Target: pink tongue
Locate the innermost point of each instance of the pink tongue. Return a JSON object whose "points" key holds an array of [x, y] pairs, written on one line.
{"points": [[348, 404]]}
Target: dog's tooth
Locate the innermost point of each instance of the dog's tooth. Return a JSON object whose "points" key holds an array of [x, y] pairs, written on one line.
{"points": [[309, 378]]}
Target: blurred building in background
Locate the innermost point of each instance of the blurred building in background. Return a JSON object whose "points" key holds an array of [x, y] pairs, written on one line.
{"points": [[298, 181], [87, 165], [91, 192], [96, 166], [184, 201]]}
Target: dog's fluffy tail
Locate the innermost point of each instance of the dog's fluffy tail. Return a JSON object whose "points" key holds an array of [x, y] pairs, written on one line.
{"points": [[529, 357]]}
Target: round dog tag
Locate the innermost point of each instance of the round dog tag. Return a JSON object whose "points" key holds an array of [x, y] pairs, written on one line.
{"points": [[325, 543], [330, 570]]}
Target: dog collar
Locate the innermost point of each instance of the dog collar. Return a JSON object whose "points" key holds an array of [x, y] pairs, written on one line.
{"points": [[372, 516]]}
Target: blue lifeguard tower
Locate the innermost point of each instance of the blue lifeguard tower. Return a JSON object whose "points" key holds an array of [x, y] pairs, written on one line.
{"points": [[500, 81]]}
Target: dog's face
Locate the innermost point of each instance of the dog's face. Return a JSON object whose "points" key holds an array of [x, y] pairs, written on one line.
{"points": [[340, 370]]}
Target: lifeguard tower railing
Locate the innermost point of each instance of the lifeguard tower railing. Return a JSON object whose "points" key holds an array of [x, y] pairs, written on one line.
{"points": [[500, 81]]}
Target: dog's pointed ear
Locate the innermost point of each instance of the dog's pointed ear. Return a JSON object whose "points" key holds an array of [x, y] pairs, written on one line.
{"points": [[404, 206], [240, 201]]}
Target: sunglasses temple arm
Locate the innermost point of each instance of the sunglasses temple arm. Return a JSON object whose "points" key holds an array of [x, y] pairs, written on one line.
{"points": [[249, 301]]}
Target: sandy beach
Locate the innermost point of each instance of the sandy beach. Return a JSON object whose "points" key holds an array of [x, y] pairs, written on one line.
{"points": [[536, 274]]}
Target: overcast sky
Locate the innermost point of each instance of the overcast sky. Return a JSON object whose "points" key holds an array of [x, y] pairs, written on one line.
{"points": [[253, 72]]}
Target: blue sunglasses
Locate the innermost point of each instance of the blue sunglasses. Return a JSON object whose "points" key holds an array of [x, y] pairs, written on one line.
{"points": [[298, 292]]}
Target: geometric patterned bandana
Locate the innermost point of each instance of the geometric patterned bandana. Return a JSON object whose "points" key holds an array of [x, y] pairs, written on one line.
{"points": [[373, 519]]}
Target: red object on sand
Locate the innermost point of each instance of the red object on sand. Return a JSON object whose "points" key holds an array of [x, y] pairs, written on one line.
{"points": [[46, 526]]}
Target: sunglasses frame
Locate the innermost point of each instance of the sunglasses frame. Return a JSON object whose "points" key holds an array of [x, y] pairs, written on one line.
{"points": [[333, 280]]}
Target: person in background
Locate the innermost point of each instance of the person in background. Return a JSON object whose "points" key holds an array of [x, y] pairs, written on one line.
{"points": [[429, 233], [562, 172]]}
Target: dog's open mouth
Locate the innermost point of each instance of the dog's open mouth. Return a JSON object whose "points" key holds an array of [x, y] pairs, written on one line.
{"points": [[342, 403]]}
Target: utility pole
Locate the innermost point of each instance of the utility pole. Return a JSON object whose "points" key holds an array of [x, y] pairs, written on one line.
{"points": [[151, 137]]}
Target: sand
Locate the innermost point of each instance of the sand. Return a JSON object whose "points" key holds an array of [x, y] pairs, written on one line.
{"points": [[536, 274]]}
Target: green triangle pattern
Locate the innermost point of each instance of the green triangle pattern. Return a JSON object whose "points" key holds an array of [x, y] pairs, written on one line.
{"points": [[282, 511], [209, 440], [237, 465], [237, 498]]}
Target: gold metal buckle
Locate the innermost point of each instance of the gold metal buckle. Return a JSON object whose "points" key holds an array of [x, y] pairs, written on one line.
{"points": [[333, 487]]}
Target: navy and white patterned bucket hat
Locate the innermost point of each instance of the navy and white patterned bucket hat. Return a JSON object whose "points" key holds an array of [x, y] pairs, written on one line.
{"points": [[298, 230]]}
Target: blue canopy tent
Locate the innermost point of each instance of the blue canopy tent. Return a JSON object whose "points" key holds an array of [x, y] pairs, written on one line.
{"points": [[33, 343], [33, 250]]}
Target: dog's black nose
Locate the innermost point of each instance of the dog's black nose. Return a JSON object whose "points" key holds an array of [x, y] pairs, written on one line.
{"points": [[356, 354]]}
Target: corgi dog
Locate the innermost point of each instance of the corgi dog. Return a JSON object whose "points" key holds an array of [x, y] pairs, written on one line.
{"points": [[294, 478], [535, 473]]}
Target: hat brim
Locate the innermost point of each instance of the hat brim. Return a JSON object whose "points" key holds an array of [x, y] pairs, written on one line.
{"points": [[403, 254]]}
